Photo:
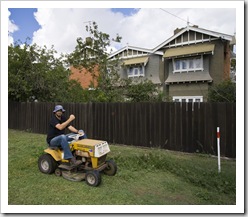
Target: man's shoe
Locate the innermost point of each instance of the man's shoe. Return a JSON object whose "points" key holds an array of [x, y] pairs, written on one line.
{"points": [[75, 162]]}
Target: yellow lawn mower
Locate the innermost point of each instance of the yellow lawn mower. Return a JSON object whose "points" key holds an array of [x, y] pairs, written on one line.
{"points": [[92, 153]]}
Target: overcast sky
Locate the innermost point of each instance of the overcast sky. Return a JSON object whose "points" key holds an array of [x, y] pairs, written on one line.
{"points": [[141, 27]]}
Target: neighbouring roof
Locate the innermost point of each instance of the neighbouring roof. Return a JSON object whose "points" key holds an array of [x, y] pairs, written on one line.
{"points": [[131, 48], [189, 50], [196, 29], [132, 52], [134, 61], [188, 77]]}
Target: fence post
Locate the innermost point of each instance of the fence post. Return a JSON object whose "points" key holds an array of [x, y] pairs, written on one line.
{"points": [[218, 148]]}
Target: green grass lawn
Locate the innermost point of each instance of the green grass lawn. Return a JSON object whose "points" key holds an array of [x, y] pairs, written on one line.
{"points": [[144, 177]]}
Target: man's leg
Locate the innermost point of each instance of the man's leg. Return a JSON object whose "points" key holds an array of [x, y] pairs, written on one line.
{"points": [[61, 141]]}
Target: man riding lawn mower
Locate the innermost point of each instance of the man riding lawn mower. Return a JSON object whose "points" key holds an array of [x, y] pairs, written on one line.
{"points": [[74, 156]]}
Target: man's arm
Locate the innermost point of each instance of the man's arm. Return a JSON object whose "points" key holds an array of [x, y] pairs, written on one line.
{"points": [[66, 123], [73, 129]]}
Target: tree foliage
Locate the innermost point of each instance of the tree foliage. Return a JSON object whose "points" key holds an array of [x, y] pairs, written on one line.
{"points": [[34, 74], [91, 54], [138, 91], [223, 92]]}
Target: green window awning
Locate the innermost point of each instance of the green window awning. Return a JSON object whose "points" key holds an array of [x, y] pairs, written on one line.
{"points": [[135, 61], [188, 77], [189, 50]]}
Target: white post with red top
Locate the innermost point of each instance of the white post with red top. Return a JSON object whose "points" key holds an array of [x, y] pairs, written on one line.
{"points": [[218, 148]]}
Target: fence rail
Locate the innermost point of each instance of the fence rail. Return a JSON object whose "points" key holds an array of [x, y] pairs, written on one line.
{"points": [[175, 126]]}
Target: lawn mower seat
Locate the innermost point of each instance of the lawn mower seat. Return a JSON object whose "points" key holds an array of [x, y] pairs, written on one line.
{"points": [[55, 148]]}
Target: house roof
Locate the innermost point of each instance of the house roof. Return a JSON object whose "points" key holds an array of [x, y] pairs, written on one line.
{"points": [[128, 47], [189, 50], [188, 77], [196, 29]]}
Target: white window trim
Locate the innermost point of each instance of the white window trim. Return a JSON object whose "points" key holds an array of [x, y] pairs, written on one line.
{"points": [[187, 98], [139, 74], [187, 69]]}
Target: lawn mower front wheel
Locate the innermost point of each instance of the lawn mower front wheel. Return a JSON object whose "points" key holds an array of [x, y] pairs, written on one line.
{"points": [[93, 178]]}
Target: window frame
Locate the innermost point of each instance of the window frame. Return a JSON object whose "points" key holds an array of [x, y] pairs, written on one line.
{"points": [[187, 98], [184, 65], [140, 73]]}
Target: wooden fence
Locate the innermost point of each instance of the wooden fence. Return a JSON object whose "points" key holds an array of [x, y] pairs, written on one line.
{"points": [[175, 126]]}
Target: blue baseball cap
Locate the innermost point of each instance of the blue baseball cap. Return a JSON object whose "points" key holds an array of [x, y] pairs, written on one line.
{"points": [[58, 107]]}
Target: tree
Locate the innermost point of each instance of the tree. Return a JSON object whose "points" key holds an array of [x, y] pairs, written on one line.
{"points": [[34, 74], [223, 92], [91, 54]]}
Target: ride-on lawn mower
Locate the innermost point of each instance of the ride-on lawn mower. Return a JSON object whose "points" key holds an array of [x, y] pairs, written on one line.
{"points": [[92, 153]]}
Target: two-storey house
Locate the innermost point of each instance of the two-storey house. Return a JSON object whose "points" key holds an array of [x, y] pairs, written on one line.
{"points": [[194, 59]]}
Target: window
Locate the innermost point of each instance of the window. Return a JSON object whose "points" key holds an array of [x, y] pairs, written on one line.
{"points": [[136, 71], [191, 64], [187, 64], [188, 99], [177, 65], [198, 63], [184, 64]]}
